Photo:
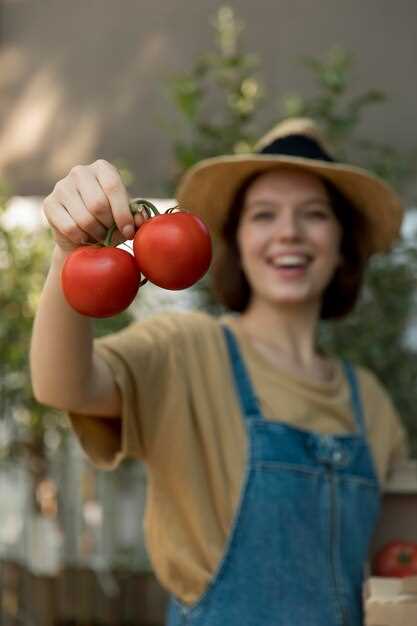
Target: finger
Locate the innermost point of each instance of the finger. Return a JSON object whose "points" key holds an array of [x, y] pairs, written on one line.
{"points": [[92, 194], [69, 197], [114, 189], [62, 223], [140, 218]]}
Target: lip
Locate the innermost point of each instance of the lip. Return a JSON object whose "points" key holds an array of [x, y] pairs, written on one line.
{"points": [[278, 255], [289, 273], [272, 260]]}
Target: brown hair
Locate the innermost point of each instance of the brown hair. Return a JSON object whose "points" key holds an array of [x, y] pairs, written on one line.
{"points": [[230, 284]]}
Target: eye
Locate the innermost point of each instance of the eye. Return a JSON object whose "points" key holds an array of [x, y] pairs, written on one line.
{"points": [[262, 215], [318, 213]]}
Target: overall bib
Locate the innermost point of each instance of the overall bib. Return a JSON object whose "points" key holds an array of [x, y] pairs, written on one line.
{"points": [[299, 540]]}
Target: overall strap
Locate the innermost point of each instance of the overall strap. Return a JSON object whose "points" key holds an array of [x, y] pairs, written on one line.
{"points": [[248, 400], [355, 396]]}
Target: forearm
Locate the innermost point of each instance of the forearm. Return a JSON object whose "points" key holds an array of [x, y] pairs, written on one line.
{"points": [[61, 358]]}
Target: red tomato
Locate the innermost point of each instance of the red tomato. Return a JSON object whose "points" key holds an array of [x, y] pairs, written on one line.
{"points": [[100, 281], [396, 559], [173, 250]]}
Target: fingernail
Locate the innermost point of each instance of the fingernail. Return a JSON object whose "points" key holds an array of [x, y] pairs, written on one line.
{"points": [[128, 232]]}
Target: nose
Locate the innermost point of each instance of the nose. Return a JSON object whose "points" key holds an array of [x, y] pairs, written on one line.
{"points": [[287, 225]]}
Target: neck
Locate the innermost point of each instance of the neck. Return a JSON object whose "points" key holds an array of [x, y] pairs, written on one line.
{"points": [[291, 331]]}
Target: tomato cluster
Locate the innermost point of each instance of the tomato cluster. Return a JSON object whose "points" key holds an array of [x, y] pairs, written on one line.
{"points": [[172, 250], [397, 559]]}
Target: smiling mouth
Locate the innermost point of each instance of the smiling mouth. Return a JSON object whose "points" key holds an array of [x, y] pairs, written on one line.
{"points": [[290, 262]]}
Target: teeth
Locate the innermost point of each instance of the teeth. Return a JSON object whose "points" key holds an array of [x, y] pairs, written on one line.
{"points": [[289, 261]]}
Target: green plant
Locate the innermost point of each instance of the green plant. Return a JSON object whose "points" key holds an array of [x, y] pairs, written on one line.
{"points": [[215, 101], [340, 115]]}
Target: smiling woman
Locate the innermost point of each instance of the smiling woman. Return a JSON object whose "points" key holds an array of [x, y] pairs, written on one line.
{"points": [[339, 297], [266, 456], [289, 242]]}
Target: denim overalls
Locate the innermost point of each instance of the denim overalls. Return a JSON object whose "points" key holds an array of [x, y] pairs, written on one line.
{"points": [[299, 540]]}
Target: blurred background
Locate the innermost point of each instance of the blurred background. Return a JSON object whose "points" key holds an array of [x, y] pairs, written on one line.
{"points": [[153, 88]]}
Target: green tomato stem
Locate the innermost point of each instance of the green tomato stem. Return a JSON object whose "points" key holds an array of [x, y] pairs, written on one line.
{"points": [[107, 241], [137, 203]]}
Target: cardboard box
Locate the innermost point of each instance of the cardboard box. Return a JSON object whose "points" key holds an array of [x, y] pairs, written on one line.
{"points": [[391, 601], [391, 614], [388, 588]]}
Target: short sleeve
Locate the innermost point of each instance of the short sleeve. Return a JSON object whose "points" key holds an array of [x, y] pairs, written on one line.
{"points": [[145, 359], [388, 435], [401, 447]]}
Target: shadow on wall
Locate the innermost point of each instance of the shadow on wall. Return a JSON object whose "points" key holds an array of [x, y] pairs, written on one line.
{"points": [[72, 86]]}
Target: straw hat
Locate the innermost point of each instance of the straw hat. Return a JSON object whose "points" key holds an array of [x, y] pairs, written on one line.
{"points": [[208, 188]]}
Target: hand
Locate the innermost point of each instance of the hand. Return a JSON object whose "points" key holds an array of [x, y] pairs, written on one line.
{"points": [[86, 203]]}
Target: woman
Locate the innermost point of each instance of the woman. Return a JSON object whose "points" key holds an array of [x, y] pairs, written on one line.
{"points": [[265, 455]]}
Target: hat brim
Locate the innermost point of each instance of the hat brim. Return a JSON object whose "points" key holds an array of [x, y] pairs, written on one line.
{"points": [[208, 188]]}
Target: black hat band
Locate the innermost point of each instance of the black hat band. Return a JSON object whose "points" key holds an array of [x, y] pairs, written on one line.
{"points": [[298, 146]]}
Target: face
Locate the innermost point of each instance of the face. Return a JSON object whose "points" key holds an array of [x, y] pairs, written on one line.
{"points": [[288, 238]]}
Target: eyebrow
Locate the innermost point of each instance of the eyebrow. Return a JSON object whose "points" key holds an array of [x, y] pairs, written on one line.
{"points": [[312, 200], [316, 199]]}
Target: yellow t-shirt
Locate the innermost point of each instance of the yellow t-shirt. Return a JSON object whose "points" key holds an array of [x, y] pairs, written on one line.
{"points": [[181, 415]]}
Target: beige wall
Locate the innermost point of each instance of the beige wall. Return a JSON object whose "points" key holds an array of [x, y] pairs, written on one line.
{"points": [[83, 79]]}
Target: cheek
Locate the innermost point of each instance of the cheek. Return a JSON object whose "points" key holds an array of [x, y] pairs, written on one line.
{"points": [[249, 239], [249, 251]]}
